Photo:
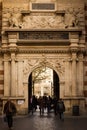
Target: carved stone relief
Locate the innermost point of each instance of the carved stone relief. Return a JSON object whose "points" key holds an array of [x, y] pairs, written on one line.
{"points": [[43, 22], [28, 65], [70, 19], [31, 64], [14, 20], [59, 65]]}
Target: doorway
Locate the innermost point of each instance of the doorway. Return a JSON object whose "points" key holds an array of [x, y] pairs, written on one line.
{"points": [[43, 81]]}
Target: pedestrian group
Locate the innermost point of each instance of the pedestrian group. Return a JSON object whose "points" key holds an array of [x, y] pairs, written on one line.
{"points": [[47, 103], [43, 102]]}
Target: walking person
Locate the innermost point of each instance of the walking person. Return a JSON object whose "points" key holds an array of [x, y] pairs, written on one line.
{"points": [[41, 105], [55, 105], [61, 109], [33, 103], [9, 110], [48, 104]]}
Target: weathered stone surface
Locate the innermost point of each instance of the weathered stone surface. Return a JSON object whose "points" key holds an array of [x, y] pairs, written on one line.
{"points": [[46, 22]]}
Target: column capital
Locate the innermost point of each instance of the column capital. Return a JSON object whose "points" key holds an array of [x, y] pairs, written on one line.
{"points": [[19, 60], [6, 60], [12, 56], [74, 57]]}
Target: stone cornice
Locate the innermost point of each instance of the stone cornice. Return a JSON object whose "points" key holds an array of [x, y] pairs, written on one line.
{"points": [[49, 42], [58, 30], [41, 50], [74, 98], [13, 98], [46, 49]]}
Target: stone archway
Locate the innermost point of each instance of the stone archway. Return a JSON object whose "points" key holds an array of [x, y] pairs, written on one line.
{"points": [[54, 87], [55, 63]]}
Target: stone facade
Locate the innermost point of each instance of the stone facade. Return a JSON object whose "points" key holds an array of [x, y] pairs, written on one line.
{"points": [[36, 33]]}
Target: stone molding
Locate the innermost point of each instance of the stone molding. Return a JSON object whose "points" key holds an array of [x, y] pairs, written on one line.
{"points": [[13, 98], [39, 50], [58, 30]]}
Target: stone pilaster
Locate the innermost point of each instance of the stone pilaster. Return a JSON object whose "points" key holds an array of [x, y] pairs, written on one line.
{"points": [[67, 78], [74, 74], [74, 39], [80, 75], [13, 75], [6, 78], [20, 79]]}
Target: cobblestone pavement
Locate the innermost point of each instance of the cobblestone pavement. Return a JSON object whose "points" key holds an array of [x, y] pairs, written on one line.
{"points": [[46, 122]]}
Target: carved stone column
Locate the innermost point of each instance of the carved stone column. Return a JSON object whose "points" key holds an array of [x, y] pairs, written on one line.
{"points": [[74, 74], [67, 78], [80, 76], [6, 78], [20, 79], [13, 75]]}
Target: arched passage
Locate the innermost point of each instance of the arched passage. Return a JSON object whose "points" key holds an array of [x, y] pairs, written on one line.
{"points": [[56, 85], [51, 85]]}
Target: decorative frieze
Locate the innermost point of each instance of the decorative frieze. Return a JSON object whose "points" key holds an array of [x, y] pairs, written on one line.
{"points": [[40, 51]]}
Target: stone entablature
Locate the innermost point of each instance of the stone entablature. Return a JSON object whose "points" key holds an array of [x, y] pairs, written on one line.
{"points": [[49, 35], [70, 38]]}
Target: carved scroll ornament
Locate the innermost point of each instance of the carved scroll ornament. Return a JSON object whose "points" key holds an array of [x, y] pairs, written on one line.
{"points": [[30, 65]]}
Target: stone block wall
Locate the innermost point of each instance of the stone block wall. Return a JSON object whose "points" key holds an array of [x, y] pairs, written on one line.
{"points": [[1, 63], [85, 61], [0, 20]]}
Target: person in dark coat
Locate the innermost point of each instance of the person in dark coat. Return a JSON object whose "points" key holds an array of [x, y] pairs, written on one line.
{"points": [[33, 103], [41, 105], [61, 109], [9, 110], [55, 100]]}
